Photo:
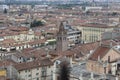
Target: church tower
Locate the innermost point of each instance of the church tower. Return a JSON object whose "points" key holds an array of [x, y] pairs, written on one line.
{"points": [[62, 42]]}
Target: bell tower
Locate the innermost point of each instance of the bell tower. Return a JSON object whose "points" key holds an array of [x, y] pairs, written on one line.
{"points": [[62, 42]]}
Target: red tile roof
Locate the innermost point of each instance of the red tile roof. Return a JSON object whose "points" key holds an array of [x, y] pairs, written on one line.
{"points": [[38, 33], [31, 52], [67, 53], [33, 64], [86, 48], [100, 52], [96, 25], [3, 78], [39, 52], [8, 41], [18, 28], [27, 50], [6, 63]]}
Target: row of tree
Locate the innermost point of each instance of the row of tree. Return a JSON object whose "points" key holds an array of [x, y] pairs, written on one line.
{"points": [[36, 23]]}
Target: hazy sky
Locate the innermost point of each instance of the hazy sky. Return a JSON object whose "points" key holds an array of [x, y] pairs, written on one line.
{"points": [[52, 0]]}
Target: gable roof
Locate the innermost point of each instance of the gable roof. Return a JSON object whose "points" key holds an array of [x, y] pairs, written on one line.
{"points": [[31, 53], [62, 30], [100, 52], [86, 48]]}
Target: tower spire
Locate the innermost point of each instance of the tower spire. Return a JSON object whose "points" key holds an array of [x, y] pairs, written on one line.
{"points": [[62, 43], [62, 30]]}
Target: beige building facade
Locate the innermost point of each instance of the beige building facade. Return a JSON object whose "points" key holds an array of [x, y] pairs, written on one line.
{"points": [[92, 32], [35, 70]]}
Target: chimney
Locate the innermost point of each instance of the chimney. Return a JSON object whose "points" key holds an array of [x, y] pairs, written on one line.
{"points": [[92, 76], [108, 59], [111, 44], [100, 43], [98, 58]]}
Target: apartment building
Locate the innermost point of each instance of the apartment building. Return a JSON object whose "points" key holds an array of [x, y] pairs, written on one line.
{"points": [[74, 35], [39, 69], [35, 70], [92, 32]]}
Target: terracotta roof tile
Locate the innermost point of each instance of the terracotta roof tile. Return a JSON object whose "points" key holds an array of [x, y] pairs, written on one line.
{"points": [[86, 48], [32, 52], [8, 41], [3, 78], [18, 28], [6, 63], [100, 52], [96, 25], [38, 33], [33, 64]]}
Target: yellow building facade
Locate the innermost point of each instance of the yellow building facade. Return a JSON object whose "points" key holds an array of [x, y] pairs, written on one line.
{"points": [[2, 72]]}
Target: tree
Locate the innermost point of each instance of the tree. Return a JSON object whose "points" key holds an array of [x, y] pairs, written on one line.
{"points": [[114, 13], [32, 6], [64, 71], [87, 12], [36, 23], [5, 11]]}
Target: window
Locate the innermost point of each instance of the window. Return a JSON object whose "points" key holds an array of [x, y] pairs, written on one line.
{"points": [[25, 70], [37, 73], [37, 79], [58, 38], [58, 77], [108, 58], [44, 71], [29, 70], [42, 78], [64, 38], [29, 75], [37, 68]]}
